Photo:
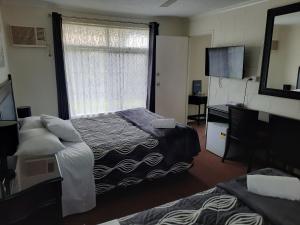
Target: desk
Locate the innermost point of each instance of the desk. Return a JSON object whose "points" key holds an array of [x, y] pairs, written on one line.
{"points": [[218, 113], [217, 125], [281, 135], [198, 100]]}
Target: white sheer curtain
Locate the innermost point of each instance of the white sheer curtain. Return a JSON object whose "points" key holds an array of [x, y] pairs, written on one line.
{"points": [[106, 67]]}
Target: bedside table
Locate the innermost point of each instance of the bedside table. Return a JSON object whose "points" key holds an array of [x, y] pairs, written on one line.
{"points": [[35, 197], [30, 171]]}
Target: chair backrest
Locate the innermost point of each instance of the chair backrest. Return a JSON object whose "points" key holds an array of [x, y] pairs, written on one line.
{"points": [[242, 123], [285, 140]]}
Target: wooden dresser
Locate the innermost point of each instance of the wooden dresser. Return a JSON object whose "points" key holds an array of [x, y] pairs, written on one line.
{"points": [[39, 204]]}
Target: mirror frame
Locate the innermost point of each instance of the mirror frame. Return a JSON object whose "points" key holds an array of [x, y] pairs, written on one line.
{"points": [[263, 89]]}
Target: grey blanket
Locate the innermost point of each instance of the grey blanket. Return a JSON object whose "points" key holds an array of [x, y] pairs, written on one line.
{"points": [[181, 141], [277, 211], [227, 204]]}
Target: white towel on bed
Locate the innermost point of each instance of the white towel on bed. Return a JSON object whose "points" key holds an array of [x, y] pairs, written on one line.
{"points": [[163, 123], [274, 186]]}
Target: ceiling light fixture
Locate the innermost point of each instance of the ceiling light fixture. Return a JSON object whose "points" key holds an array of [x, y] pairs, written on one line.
{"points": [[168, 3]]}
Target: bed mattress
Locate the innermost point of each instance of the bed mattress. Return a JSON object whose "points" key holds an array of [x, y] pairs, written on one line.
{"points": [[226, 204], [126, 150]]}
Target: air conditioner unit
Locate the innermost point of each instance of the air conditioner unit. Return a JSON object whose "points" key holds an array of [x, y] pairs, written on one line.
{"points": [[28, 36]]}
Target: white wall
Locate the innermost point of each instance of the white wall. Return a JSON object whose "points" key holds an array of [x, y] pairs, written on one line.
{"points": [[291, 46], [4, 70], [284, 62], [277, 60], [243, 26], [33, 70], [197, 46]]}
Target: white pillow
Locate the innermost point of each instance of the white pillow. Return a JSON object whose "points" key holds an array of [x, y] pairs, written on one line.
{"points": [[31, 123], [63, 129], [37, 142], [274, 186], [163, 123]]}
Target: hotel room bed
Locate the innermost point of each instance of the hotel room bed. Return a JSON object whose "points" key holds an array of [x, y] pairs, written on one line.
{"points": [[226, 204], [118, 150], [128, 150]]}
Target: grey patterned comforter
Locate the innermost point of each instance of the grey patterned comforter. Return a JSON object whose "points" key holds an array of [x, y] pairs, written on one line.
{"points": [[126, 154], [212, 207], [227, 204]]}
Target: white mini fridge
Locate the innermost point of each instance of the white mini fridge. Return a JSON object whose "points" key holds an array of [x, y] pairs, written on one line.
{"points": [[216, 137]]}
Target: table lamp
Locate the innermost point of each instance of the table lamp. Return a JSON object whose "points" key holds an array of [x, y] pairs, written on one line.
{"points": [[24, 111]]}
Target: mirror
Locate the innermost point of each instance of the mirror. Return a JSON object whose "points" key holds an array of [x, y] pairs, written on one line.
{"points": [[285, 53], [281, 60]]}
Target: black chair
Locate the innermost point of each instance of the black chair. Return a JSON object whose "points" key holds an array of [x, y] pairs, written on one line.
{"points": [[284, 142], [243, 129]]}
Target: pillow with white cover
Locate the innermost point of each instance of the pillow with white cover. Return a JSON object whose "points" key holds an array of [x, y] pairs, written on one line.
{"points": [[38, 142], [63, 129], [31, 123], [164, 123], [274, 186]]}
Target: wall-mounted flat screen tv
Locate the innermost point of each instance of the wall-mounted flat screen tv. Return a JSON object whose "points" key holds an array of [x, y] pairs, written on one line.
{"points": [[7, 102], [227, 62]]}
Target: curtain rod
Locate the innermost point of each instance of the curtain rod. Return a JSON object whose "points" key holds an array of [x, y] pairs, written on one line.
{"points": [[103, 20]]}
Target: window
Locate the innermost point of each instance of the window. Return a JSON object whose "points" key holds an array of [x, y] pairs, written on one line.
{"points": [[106, 67]]}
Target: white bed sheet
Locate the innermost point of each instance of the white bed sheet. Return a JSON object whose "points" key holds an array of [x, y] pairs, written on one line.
{"points": [[76, 164]]}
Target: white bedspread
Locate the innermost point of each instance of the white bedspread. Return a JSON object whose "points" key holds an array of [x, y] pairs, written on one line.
{"points": [[76, 163]]}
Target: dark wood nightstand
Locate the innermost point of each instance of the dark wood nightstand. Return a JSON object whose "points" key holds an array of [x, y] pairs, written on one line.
{"points": [[198, 100], [39, 203]]}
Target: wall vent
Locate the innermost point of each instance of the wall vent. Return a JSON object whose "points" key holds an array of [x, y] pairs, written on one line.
{"points": [[28, 36]]}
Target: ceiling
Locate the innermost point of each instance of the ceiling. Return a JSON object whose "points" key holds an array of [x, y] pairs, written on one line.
{"points": [[181, 8]]}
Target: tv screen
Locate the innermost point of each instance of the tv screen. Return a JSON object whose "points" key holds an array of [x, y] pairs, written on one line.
{"points": [[7, 102], [227, 62]]}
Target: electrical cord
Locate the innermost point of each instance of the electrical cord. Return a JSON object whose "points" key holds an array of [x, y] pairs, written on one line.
{"points": [[249, 79], [220, 82]]}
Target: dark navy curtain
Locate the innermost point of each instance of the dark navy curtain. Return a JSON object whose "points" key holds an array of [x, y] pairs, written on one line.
{"points": [[62, 95], [153, 32]]}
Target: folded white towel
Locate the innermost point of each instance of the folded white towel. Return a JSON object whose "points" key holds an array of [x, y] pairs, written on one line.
{"points": [[274, 186], [163, 123]]}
